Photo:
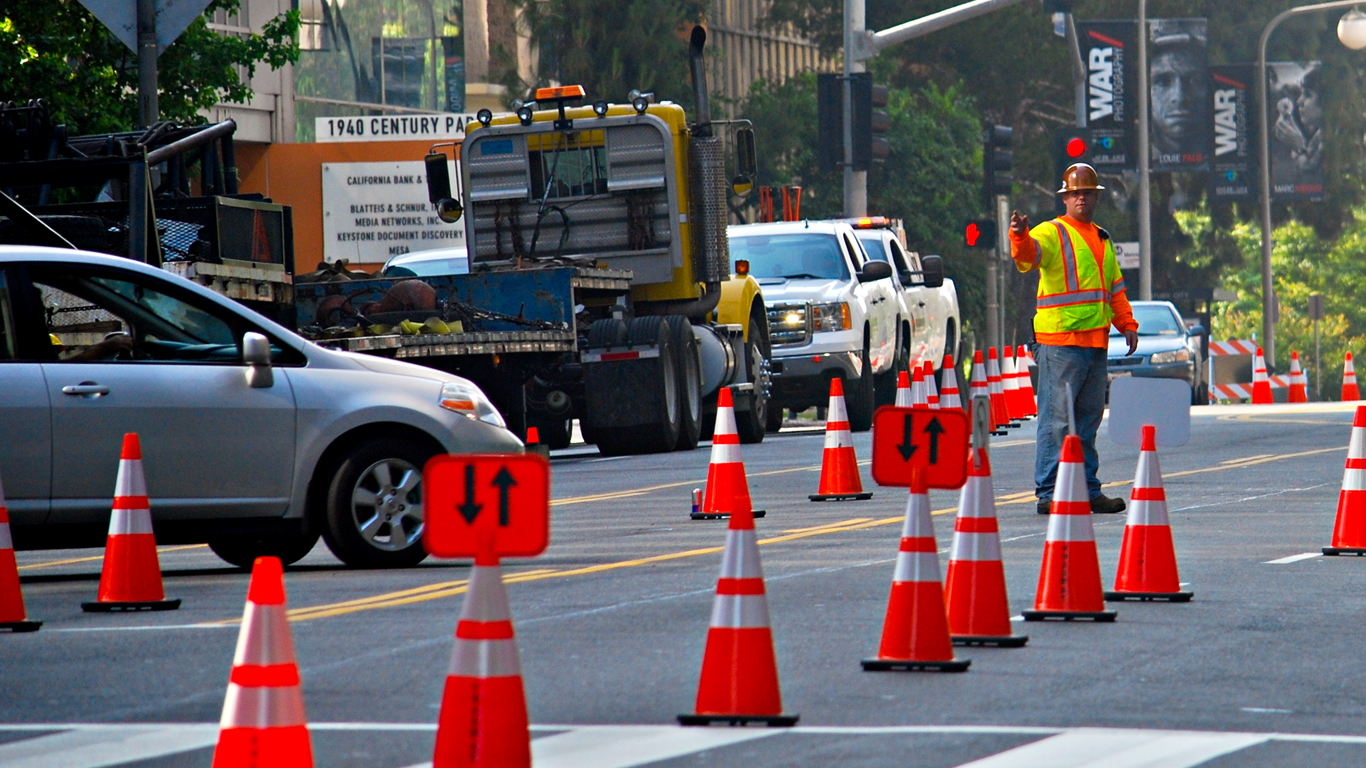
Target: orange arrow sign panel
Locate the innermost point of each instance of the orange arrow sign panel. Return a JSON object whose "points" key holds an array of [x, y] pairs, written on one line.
{"points": [[906, 438], [486, 504]]}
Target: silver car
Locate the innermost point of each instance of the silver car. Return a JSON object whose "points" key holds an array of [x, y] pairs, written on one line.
{"points": [[254, 440]]}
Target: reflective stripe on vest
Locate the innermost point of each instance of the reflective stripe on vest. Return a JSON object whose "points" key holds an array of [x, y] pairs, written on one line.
{"points": [[1069, 256], [1073, 296]]}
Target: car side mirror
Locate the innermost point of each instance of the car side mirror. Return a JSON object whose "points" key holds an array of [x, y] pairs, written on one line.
{"points": [[933, 267], [875, 270], [1196, 330], [448, 208], [746, 158], [256, 354]]}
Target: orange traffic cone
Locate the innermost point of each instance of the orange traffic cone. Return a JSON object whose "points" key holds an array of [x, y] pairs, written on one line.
{"points": [[1349, 380], [263, 724], [483, 721], [919, 401], [131, 577], [915, 634], [1299, 382], [840, 479], [12, 614], [999, 413], [1010, 383], [1261, 385], [739, 681], [1026, 383], [980, 388], [903, 390], [1147, 560], [931, 393], [979, 611], [948, 395], [1349, 531], [727, 488], [1069, 580]]}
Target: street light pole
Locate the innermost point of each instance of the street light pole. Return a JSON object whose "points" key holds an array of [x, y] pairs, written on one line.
{"points": [[1268, 289], [855, 182], [1145, 201]]}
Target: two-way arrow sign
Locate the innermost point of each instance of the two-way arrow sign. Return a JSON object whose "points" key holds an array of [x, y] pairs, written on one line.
{"points": [[933, 440], [500, 502]]}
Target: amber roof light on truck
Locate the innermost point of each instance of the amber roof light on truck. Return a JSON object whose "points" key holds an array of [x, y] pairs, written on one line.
{"points": [[869, 222]]}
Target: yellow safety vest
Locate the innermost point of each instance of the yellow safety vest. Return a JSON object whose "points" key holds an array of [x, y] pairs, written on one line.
{"points": [[1074, 294]]}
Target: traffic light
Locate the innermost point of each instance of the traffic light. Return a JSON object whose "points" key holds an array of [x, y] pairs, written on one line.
{"points": [[870, 122], [979, 233], [997, 161], [829, 122]]}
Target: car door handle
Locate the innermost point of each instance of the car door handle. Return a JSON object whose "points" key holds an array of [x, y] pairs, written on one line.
{"points": [[85, 389]]}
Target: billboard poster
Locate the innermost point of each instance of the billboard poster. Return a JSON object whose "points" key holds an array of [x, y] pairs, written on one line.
{"points": [[1233, 156], [1108, 50], [1179, 94], [375, 211], [1295, 114]]}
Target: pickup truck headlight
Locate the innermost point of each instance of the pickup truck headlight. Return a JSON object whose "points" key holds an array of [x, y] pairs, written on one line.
{"points": [[1174, 356], [831, 317], [466, 399]]}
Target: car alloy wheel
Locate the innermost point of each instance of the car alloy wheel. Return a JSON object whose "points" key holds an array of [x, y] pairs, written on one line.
{"points": [[386, 504]]}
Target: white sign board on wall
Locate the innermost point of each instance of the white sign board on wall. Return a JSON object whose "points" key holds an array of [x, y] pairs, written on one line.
{"points": [[375, 211], [1127, 255], [444, 127]]}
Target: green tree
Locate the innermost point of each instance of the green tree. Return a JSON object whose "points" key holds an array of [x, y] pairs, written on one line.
{"points": [[58, 52]]}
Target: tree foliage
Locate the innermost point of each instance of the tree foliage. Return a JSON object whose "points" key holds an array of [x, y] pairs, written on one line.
{"points": [[58, 52]]}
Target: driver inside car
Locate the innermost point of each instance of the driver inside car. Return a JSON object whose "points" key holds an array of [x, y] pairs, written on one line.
{"points": [[112, 345]]}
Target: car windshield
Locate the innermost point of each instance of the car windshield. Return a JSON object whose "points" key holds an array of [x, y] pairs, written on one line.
{"points": [[1155, 321], [795, 257], [875, 248]]}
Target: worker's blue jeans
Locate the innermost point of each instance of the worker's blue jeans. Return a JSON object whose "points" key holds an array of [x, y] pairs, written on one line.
{"points": [[1084, 368]]}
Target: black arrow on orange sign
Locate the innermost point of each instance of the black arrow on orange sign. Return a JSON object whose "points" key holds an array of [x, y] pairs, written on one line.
{"points": [[504, 481], [469, 510], [907, 447], [934, 429]]}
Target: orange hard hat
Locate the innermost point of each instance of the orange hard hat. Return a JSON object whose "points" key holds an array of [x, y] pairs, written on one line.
{"points": [[1079, 176]]}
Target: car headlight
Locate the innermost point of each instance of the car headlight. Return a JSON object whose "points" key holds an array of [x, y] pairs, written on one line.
{"points": [[1174, 356], [831, 317], [466, 399]]}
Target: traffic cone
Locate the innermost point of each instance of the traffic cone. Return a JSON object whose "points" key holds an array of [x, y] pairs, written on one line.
{"points": [[999, 413], [1261, 385], [979, 611], [739, 680], [1349, 380], [840, 479], [263, 724], [1026, 383], [918, 399], [131, 577], [1349, 531], [1010, 383], [915, 634], [483, 721], [948, 395], [903, 390], [12, 614], [931, 393], [1147, 560], [1299, 382], [1069, 579], [980, 388], [727, 489]]}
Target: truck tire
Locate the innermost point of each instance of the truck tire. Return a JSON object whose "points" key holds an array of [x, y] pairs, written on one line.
{"points": [[859, 397], [611, 332], [689, 368], [554, 433], [243, 551], [661, 434], [773, 421], [752, 424], [374, 516]]}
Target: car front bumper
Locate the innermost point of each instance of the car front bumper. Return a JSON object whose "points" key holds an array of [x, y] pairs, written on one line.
{"points": [[800, 381]]}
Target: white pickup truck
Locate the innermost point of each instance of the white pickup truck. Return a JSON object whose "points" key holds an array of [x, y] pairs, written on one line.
{"points": [[832, 313]]}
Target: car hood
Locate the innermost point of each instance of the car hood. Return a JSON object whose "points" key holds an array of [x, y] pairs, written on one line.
{"points": [[1147, 345], [389, 366], [777, 289]]}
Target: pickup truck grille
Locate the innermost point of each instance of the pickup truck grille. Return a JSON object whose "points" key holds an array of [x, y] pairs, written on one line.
{"points": [[789, 324]]}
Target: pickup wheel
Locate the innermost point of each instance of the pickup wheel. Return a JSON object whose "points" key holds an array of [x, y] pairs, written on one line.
{"points": [[689, 370], [374, 516], [753, 423], [660, 386], [859, 397]]}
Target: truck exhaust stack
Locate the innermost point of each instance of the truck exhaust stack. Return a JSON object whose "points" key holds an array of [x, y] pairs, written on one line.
{"points": [[699, 82]]}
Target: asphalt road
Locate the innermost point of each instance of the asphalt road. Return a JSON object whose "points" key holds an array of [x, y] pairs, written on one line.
{"points": [[1263, 668]]}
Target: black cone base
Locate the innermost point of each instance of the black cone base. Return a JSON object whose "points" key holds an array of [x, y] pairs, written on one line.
{"points": [[995, 641], [118, 607], [906, 665], [1103, 616], [1335, 551], [862, 496], [21, 626], [775, 721], [720, 515], [1170, 597]]}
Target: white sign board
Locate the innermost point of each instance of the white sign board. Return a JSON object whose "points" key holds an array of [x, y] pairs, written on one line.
{"points": [[375, 211], [1127, 255], [444, 127], [1163, 403]]}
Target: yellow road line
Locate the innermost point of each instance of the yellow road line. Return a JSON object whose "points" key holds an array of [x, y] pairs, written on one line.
{"points": [[93, 558], [828, 525]]}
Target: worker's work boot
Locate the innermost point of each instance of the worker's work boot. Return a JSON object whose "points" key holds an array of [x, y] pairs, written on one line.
{"points": [[1104, 505], [1045, 506]]}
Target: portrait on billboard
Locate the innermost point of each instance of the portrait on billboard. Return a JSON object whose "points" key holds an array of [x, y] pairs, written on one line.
{"points": [[1179, 94], [1294, 92]]}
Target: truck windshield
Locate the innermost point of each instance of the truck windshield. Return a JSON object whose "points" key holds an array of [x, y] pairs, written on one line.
{"points": [[795, 257]]}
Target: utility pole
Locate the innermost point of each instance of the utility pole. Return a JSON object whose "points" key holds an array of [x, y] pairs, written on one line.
{"points": [[1078, 70], [1145, 201], [855, 182], [147, 63]]}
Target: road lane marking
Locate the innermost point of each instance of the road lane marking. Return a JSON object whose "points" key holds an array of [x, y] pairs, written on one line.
{"points": [[1121, 748], [829, 525], [617, 746], [93, 558], [1267, 711], [95, 748], [1247, 458], [1294, 558]]}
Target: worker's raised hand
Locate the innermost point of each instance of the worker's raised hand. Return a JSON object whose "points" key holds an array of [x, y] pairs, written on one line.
{"points": [[1019, 223]]}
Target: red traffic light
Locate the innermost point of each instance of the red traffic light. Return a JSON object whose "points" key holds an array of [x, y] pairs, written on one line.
{"points": [[1075, 147], [972, 235], [980, 233]]}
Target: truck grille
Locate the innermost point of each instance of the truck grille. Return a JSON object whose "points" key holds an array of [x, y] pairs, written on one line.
{"points": [[789, 324]]}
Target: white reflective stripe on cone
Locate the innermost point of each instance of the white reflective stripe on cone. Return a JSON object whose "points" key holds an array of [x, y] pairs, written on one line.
{"points": [[484, 658], [5, 541], [1071, 485], [725, 453], [977, 498], [741, 557], [1149, 473], [903, 397], [1070, 528], [128, 521], [739, 611], [262, 707], [1354, 479], [264, 638], [486, 600], [838, 438], [916, 566], [1356, 449], [977, 547], [836, 410], [1151, 512], [131, 481], [725, 422], [917, 524]]}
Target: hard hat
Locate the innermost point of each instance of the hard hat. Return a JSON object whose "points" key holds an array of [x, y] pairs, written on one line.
{"points": [[1079, 176]]}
